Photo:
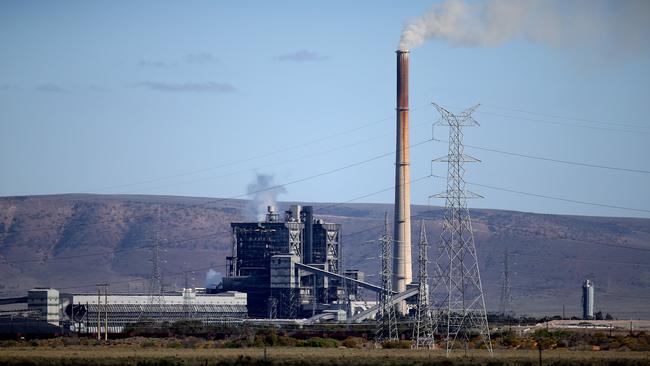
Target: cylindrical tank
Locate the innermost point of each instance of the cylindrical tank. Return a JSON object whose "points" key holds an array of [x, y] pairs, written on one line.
{"points": [[588, 300]]}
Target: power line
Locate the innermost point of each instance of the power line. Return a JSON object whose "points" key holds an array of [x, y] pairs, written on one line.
{"points": [[369, 194], [212, 201], [236, 162], [292, 160], [559, 198], [224, 175], [562, 238], [555, 160], [256, 157], [585, 260], [425, 215], [564, 124], [568, 118]]}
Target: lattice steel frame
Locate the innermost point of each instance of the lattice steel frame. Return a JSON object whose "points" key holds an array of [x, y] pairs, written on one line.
{"points": [[386, 319], [506, 287], [458, 292], [155, 291], [423, 324]]}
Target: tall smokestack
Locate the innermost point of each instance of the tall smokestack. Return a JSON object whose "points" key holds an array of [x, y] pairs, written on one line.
{"points": [[402, 228]]}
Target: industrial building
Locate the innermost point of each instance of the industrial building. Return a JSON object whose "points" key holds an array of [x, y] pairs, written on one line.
{"points": [[86, 313], [115, 311], [290, 267], [45, 302]]}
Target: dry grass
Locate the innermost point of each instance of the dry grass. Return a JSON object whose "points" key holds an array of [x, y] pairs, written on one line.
{"points": [[103, 355]]}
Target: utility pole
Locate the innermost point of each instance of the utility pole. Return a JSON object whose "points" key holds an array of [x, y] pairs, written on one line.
{"points": [[313, 295], [458, 292], [273, 307], [423, 326], [99, 310], [106, 311], [386, 320]]}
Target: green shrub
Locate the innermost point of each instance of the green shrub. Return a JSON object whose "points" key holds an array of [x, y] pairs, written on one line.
{"points": [[232, 344]]}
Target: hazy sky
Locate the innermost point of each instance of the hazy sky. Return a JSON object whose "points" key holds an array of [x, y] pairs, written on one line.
{"points": [[158, 97]]}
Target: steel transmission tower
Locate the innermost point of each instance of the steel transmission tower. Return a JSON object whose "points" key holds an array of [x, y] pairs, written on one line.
{"points": [[187, 291], [386, 319], [458, 293], [506, 297], [423, 325], [156, 299]]}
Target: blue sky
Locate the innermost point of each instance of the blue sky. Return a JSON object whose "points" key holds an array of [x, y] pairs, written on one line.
{"points": [[155, 97]]}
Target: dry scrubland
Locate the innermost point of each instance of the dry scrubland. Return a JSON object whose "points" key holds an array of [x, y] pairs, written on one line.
{"points": [[189, 343], [107, 355], [313, 352]]}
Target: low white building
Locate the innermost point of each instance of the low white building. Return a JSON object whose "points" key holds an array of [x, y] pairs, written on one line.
{"points": [[115, 311]]}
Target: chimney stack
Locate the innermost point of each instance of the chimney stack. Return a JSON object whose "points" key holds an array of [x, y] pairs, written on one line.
{"points": [[402, 227]]}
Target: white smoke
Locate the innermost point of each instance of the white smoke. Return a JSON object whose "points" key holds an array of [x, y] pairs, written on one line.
{"points": [[212, 278], [611, 25], [264, 194]]}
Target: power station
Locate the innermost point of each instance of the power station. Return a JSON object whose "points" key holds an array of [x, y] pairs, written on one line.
{"points": [[287, 267]]}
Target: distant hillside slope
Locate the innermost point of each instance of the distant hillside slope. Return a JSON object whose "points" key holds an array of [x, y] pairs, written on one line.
{"points": [[72, 241]]}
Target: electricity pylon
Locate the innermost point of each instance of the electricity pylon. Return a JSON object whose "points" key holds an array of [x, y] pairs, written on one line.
{"points": [[458, 293], [156, 298], [187, 291], [386, 320], [423, 324], [506, 297]]}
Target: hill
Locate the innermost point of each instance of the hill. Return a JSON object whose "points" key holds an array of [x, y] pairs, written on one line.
{"points": [[71, 242]]}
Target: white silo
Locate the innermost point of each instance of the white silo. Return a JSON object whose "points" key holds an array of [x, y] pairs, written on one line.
{"points": [[588, 300]]}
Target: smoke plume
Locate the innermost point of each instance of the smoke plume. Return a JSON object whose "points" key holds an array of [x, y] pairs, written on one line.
{"points": [[264, 194], [614, 26], [212, 278]]}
